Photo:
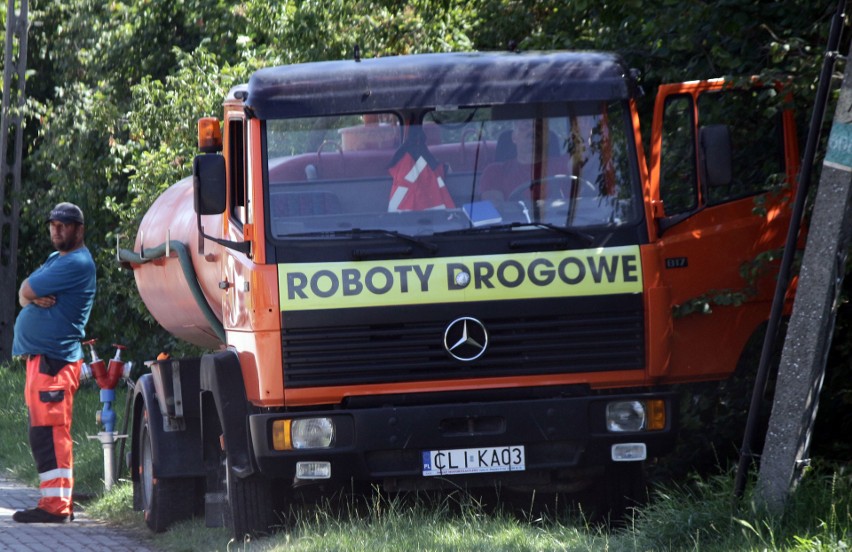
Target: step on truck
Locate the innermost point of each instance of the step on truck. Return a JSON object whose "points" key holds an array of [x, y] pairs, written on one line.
{"points": [[447, 270]]}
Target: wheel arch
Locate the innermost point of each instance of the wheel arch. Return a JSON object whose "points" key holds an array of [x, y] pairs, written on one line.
{"points": [[223, 392], [175, 453]]}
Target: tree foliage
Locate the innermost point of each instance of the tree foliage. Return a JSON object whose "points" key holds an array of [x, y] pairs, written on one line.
{"points": [[116, 86], [330, 29]]}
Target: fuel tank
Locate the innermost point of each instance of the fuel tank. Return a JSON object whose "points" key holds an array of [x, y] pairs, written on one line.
{"points": [[164, 283]]}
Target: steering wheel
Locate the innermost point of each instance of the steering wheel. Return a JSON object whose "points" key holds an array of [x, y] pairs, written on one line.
{"points": [[331, 145], [551, 194], [562, 186]]}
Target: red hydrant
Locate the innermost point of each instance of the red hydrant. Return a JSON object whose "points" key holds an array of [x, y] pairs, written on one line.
{"points": [[107, 378]]}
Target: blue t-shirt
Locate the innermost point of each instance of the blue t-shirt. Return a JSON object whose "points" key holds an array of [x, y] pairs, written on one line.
{"points": [[56, 331]]}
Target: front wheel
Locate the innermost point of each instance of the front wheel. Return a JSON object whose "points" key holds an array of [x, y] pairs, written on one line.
{"points": [[164, 500], [625, 488], [615, 491], [249, 504], [242, 504]]}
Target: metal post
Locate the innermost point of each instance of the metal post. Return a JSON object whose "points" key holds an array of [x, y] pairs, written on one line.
{"points": [[107, 440]]}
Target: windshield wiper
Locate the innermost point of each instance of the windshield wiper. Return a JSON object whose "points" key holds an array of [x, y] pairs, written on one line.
{"points": [[428, 246], [357, 232], [588, 238]]}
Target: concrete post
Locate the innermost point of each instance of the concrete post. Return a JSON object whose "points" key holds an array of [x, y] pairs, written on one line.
{"points": [[809, 333]]}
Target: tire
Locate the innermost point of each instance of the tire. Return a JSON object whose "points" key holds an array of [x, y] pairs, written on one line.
{"points": [[244, 505], [250, 510], [164, 501], [625, 488], [614, 492]]}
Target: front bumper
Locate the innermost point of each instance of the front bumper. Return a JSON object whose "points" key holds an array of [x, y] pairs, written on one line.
{"points": [[387, 443]]}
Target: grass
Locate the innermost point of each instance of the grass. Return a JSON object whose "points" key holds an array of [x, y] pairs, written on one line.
{"points": [[697, 514]]}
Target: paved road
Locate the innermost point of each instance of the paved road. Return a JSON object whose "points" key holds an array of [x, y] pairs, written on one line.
{"points": [[83, 533]]}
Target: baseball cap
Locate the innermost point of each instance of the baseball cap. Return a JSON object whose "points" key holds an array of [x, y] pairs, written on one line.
{"points": [[66, 212]]}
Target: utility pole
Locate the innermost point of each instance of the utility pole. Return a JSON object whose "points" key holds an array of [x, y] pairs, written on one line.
{"points": [[11, 126], [809, 333]]}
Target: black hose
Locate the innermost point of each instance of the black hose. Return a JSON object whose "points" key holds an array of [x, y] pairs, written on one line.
{"points": [[127, 405], [189, 275]]}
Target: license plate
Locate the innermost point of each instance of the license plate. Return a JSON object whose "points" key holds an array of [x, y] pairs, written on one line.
{"points": [[474, 460]]}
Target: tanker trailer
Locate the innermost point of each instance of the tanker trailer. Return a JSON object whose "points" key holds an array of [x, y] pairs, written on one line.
{"points": [[183, 297]]}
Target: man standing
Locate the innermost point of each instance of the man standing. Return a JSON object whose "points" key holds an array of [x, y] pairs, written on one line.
{"points": [[56, 299]]}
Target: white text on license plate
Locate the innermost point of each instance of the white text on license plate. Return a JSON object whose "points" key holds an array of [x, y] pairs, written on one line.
{"points": [[474, 460]]}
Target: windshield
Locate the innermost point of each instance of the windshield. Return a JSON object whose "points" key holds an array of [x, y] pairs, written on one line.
{"points": [[452, 170]]}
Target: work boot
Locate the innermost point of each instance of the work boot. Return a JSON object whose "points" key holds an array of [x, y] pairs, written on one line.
{"points": [[37, 515]]}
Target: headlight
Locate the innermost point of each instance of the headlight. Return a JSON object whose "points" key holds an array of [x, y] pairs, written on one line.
{"points": [[308, 433], [625, 416], [302, 433]]}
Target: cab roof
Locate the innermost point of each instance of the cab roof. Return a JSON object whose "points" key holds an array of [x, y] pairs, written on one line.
{"points": [[435, 80]]}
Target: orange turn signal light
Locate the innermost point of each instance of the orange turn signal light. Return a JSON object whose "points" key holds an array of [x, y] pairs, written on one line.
{"points": [[281, 435], [655, 414]]}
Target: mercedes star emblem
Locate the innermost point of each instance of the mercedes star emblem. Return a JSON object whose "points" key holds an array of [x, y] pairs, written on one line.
{"points": [[466, 339]]}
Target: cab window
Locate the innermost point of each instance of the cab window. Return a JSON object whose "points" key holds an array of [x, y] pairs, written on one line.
{"points": [[237, 171], [757, 148], [678, 186]]}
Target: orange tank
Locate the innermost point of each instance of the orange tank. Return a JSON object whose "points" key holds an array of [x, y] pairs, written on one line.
{"points": [[162, 277]]}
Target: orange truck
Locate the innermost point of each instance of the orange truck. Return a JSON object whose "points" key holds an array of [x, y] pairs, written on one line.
{"points": [[447, 270]]}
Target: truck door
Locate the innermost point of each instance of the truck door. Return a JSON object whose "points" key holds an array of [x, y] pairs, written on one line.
{"points": [[723, 164]]}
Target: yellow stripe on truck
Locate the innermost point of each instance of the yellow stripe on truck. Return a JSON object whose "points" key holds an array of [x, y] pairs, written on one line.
{"points": [[585, 272]]}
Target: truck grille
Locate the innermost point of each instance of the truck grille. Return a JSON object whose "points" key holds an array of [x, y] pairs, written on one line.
{"points": [[391, 351]]}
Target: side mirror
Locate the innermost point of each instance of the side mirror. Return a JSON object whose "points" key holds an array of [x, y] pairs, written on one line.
{"points": [[209, 184], [716, 165], [209, 187]]}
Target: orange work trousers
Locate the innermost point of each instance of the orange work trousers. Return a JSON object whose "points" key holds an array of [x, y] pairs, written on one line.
{"points": [[49, 394]]}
